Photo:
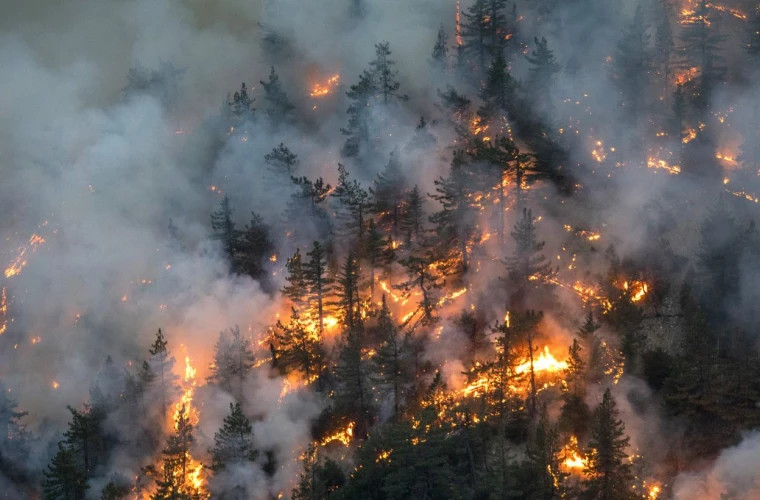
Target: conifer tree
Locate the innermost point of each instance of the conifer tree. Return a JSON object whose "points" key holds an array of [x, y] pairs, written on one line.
{"points": [[233, 443], [391, 364], [663, 42], [374, 253], [543, 68], [543, 453], [497, 93], [14, 437], [317, 480], [172, 482], [528, 269], [574, 414], [631, 65], [384, 75], [296, 289], [279, 109], [441, 49], [608, 470], [84, 437], [254, 247], [299, 348], [318, 283], [64, 478], [224, 230], [421, 278], [455, 221], [353, 392], [233, 361], [281, 161], [307, 204], [388, 195], [701, 44], [347, 300], [354, 205], [162, 365], [360, 96], [241, 105], [412, 216]]}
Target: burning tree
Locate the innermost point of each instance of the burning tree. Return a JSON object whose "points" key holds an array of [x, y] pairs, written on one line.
{"points": [[299, 347], [179, 477]]}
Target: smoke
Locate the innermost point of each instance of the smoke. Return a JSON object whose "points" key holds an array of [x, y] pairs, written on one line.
{"points": [[732, 475], [99, 173]]}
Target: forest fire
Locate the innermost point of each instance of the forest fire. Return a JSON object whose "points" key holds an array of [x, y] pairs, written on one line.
{"points": [[19, 262], [574, 462], [325, 88], [342, 276], [659, 164]]}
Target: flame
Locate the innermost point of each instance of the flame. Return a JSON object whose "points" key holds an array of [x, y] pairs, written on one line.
{"points": [[690, 135], [459, 24], [637, 288], [574, 460], [55, 384], [19, 262], [686, 75], [656, 164], [343, 436], [326, 88], [545, 362], [3, 311]]}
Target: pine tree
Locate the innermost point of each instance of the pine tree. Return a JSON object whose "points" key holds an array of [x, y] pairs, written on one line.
{"points": [[241, 105], [543, 68], [423, 279], [543, 453], [14, 437], [354, 205], [497, 93], [172, 483], [384, 76], [279, 109], [412, 216], [441, 49], [233, 443], [317, 480], [84, 437], [663, 42], [422, 137], [374, 253], [233, 362], [608, 470], [64, 479], [528, 269], [455, 221], [474, 32], [575, 413], [162, 364], [391, 364], [388, 195], [318, 283], [254, 247], [299, 348], [296, 289], [347, 300], [357, 131], [353, 392], [631, 65], [224, 230], [700, 46], [307, 204], [281, 161]]}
